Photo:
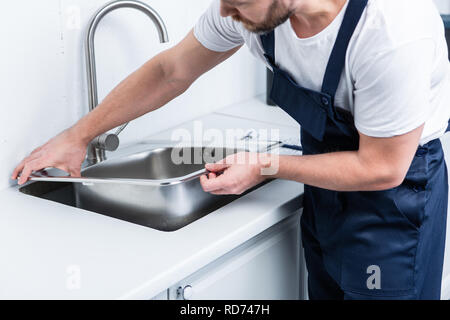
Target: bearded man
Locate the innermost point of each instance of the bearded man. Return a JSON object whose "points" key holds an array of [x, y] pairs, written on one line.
{"points": [[369, 83]]}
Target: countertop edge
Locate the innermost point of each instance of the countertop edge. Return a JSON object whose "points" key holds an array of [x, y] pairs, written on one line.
{"points": [[220, 248]]}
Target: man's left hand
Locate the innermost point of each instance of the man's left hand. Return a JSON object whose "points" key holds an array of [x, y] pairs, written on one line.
{"points": [[235, 174]]}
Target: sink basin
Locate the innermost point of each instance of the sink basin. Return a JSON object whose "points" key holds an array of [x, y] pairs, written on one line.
{"points": [[162, 206]]}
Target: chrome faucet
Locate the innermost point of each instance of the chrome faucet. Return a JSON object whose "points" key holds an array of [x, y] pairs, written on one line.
{"points": [[110, 142]]}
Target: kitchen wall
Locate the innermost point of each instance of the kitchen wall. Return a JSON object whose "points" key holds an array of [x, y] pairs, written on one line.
{"points": [[444, 8], [42, 82], [443, 5]]}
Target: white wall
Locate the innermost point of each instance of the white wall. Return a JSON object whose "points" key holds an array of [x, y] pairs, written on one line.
{"points": [[42, 82], [443, 5], [446, 276]]}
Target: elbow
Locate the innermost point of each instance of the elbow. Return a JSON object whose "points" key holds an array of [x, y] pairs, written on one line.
{"points": [[389, 179], [172, 74]]}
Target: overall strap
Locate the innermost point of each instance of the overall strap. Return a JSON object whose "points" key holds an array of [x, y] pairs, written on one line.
{"points": [[336, 63], [268, 43]]}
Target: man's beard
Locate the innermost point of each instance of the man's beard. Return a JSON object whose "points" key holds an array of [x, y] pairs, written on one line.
{"points": [[276, 16]]}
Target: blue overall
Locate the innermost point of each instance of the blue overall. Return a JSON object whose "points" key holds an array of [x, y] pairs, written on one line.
{"points": [[364, 245]]}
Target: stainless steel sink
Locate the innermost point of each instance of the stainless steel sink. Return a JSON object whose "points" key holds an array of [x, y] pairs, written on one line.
{"points": [[161, 191]]}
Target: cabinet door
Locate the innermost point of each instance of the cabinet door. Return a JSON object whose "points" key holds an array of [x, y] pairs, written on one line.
{"points": [[267, 266]]}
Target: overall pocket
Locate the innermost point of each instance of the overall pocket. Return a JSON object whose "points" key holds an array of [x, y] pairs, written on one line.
{"points": [[379, 248], [410, 203], [411, 196], [383, 227]]}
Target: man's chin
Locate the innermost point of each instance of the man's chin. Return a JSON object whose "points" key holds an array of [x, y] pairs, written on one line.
{"points": [[256, 29]]}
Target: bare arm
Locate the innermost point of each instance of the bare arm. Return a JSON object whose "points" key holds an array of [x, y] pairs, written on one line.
{"points": [[157, 82], [379, 164]]}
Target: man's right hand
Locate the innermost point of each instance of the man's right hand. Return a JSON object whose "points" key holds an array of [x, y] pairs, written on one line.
{"points": [[66, 151]]}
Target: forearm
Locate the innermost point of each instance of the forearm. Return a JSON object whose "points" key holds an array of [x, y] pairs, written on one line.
{"points": [[147, 89], [339, 171], [378, 164]]}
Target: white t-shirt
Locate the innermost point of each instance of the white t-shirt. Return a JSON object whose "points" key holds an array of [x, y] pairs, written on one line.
{"points": [[397, 73]]}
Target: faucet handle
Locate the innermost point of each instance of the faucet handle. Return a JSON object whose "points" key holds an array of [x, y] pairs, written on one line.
{"points": [[106, 141]]}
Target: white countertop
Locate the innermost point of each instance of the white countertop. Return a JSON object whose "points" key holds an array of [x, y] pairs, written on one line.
{"points": [[45, 245]]}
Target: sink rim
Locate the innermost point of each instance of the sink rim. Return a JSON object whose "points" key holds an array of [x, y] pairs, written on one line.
{"points": [[43, 175], [162, 208], [47, 176]]}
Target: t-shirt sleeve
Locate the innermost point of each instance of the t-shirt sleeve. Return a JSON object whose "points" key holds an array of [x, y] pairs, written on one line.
{"points": [[217, 33], [393, 89]]}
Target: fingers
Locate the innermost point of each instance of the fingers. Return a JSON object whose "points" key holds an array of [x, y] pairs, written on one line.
{"points": [[63, 152], [74, 172], [221, 192], [220, 184], [17, 170], [39, 160], [28, 169], [216, 167], [211, 182], [240, 157], [22, 164], [212, 175]]}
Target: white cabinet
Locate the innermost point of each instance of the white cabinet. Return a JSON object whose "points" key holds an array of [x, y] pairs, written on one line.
{"points": [[268, 266]]}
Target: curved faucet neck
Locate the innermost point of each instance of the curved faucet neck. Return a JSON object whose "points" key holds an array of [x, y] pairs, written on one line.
{"points": [[96, 154]]}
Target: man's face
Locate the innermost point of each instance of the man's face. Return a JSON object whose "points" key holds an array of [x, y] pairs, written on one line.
{"points": [[257, 16]]}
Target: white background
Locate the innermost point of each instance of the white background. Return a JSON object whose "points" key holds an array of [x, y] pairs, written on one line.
{"points": [[443, 5], [42, 82]]}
